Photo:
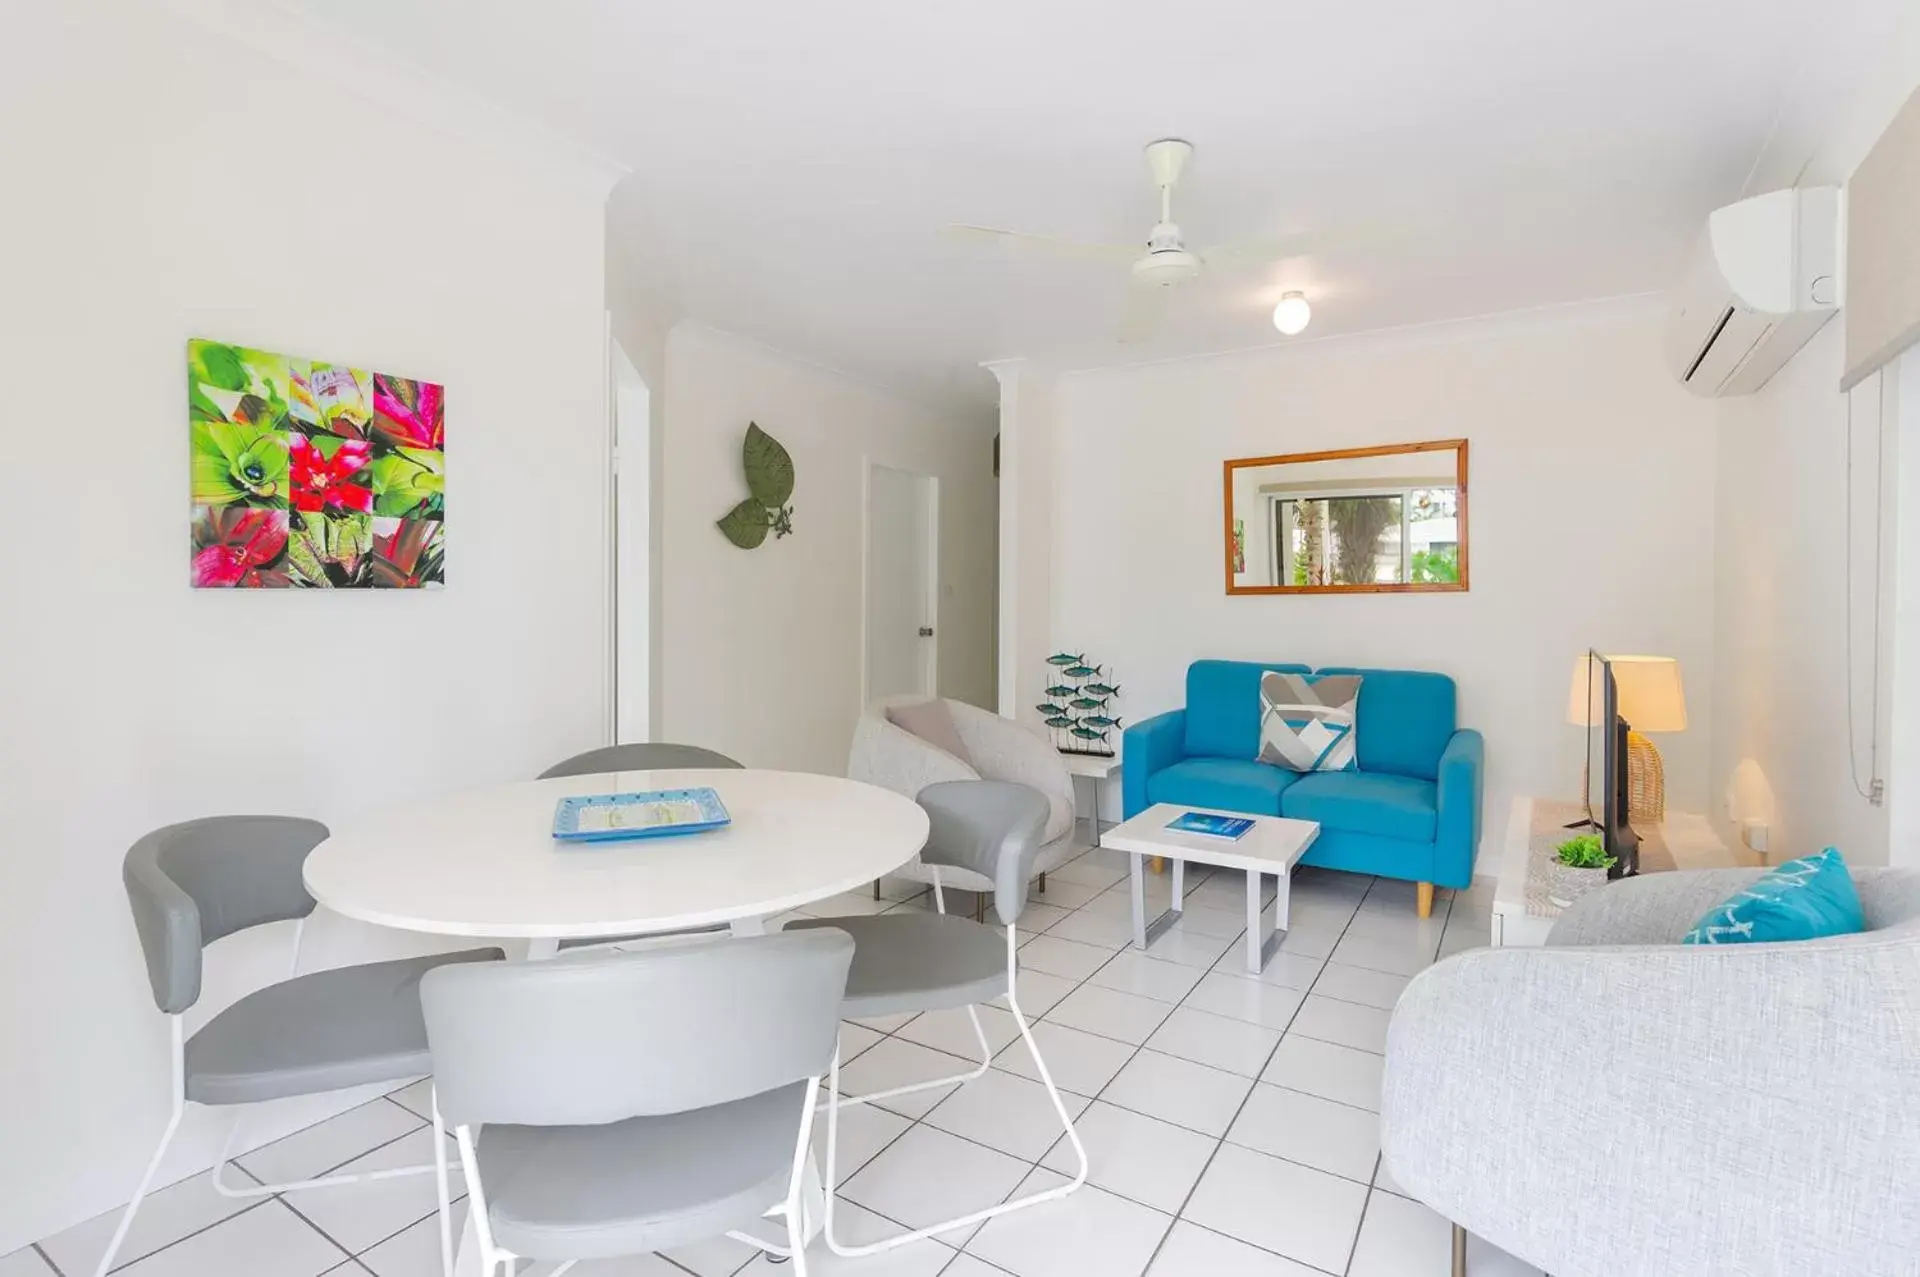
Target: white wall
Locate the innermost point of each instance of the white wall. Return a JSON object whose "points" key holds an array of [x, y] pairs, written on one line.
{"points": [[762, 647], [1026, 542], [1784, 596], [1591, 498], [165, 182]]}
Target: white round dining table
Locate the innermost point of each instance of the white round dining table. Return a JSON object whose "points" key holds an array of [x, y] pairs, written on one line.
{"points": [[484, 863]]}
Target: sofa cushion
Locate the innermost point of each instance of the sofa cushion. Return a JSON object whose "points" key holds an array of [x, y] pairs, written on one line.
{"points": [[1223, 707], [1405, 719], [1378, 803], [1306, 720], [1231, 784]]}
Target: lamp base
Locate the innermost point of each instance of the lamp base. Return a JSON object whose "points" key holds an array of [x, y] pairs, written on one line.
{"points": [[1646, 780]]}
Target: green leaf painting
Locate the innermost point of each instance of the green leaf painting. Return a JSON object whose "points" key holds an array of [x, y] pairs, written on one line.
{"points": [[313, 474], [769, 471]]}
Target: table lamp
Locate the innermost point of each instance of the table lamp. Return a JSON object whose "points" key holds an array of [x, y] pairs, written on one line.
{"points": [[1651, 699]]}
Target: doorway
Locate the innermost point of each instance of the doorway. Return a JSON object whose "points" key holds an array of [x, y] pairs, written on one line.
{"points": [[901, 589]]}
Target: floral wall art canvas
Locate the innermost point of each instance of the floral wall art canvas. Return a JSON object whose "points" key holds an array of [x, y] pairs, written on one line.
{"points": [[313, 475]]}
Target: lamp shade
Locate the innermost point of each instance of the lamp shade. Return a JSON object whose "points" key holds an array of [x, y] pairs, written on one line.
{"points": [[1651, 697]]}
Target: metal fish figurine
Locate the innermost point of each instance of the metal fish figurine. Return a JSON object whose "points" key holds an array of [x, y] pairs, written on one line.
{"points": [[1061, 689], [1051, 709], [1067, 658], [1060, 720], [1087, 733], [1100, 720], [1079, 670], [1086, 702], [1097, 689]]}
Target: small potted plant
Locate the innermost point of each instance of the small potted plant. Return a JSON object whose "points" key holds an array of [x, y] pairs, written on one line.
{"points": [[1578, 866]]}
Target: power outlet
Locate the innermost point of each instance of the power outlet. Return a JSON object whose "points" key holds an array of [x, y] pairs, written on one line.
{"points": [[1753, 832]]}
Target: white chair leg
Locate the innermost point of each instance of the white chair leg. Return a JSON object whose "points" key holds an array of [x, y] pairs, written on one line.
{"points": [[444, 1195], [986, 1059], [140, 1193], [1018, 1203]]}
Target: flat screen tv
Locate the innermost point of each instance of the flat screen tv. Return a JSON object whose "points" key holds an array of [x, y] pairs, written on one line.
{"points": [[1607, 769]]}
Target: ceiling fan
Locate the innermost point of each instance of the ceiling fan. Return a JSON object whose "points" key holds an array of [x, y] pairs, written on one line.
{"points": [[1167, 262]]}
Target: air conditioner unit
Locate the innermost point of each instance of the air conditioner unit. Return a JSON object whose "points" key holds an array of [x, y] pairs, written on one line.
{"points": [[1763, 281]]}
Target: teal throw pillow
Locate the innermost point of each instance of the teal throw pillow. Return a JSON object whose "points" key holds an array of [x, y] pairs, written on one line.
{"points": [[1803, 899]]}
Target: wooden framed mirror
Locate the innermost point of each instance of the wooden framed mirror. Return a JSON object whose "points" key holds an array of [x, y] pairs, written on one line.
{"points": [[1386, 520]]}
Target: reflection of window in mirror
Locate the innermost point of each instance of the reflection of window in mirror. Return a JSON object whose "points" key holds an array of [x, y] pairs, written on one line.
{"points": [[1364, 520]]}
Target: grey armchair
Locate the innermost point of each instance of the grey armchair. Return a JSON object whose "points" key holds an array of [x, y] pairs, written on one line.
{"points": [[193, 883], [1620, 1105], [637, 757]]}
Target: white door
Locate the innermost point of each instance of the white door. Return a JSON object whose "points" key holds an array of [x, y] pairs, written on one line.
{"points": [[632, 551], [902, 551]]}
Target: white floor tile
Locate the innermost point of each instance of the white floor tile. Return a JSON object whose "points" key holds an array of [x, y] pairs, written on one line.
{"points": [[416, 1098], [1192, 1251], [1087, 1232], [1093, 928], [1358, 984], [1336, 1138], [715, 1257], [321, 1147], [1189, 948], [625, 1266], [1328, 1070], [1179, 1091], [1125, 1017], [951, 1031], [896, 1062], [1079, 1062], [1240, 998], [1063, 893], [1134, 972], [1037, 917], [1005, 1111], [267, 1241], [362, 1215], [927, 1176], [1287, 970], [1312, 938], [1304, 1214], [855, 1038], [1140, 1158], [166, 1216], [1204, 1038], [1039, 992], [1346, 1023], [884, 1023], [1089, 871], [865, 1129], [857, 1227], [1068, 959], [414, 1251], [1407, 956], [1400, 1238], [1227, 922], [25, 1262], [965, 1265]]}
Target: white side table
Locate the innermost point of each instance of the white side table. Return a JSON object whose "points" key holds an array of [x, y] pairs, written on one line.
{"points": [[1094, 768], [1681, 841]]}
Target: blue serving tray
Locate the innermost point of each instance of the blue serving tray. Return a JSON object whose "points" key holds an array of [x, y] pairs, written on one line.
{"points": [[603, 817]]}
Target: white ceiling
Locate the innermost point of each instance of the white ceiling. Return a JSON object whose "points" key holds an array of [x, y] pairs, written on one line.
{"points": [[794, 161]]}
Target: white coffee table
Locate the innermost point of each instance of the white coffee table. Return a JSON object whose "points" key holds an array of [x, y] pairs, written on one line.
{"points": [[1273, 846]]}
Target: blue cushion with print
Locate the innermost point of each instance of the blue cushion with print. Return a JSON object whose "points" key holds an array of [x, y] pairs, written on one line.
{"points": [[1803, 899]]}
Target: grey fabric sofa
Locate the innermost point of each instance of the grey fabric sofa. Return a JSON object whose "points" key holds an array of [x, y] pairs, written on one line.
{"points": [[1620, 1105]]}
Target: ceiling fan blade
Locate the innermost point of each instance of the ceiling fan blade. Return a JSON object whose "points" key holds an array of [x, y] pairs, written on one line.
{"points": [[1145, 306], [1043, 243]]}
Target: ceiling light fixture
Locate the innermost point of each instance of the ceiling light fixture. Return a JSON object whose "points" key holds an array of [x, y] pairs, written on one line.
{"points": [[1293, 314]]}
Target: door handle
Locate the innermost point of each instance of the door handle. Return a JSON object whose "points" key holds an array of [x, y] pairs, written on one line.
{"points": [[926, 631]]}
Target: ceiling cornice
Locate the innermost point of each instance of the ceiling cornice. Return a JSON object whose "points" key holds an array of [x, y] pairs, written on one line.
{"points": [[387, 80]]}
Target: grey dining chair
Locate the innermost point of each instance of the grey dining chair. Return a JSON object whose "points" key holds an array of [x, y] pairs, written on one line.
{"points": [[637, 758], [617, 1104], [193, 883], [917, 961]]}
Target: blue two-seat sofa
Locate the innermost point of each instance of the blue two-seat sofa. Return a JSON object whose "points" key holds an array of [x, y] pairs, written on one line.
{"points": [[1410, 808]]}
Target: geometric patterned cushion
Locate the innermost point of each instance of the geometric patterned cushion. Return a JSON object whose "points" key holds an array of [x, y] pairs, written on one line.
{"points": [[1307, 721], [1802, 899]]}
